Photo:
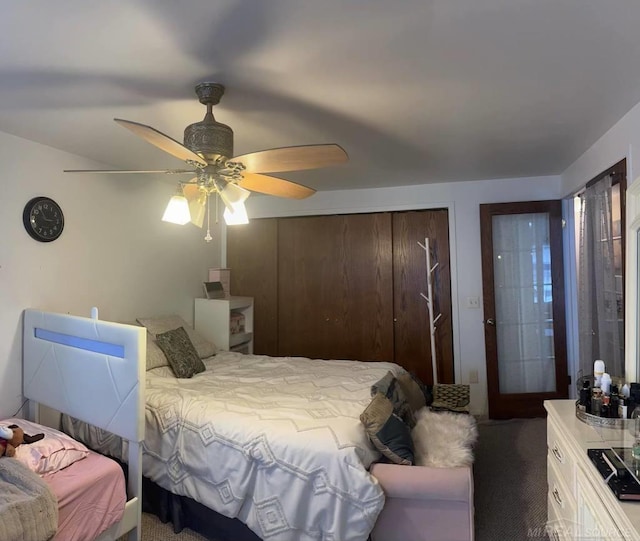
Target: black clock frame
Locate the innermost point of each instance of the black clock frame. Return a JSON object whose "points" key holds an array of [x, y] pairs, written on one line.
{"points": [[29, 226]]}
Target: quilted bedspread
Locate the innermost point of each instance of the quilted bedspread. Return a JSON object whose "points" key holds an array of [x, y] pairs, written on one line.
{"points": [[275, 442]]}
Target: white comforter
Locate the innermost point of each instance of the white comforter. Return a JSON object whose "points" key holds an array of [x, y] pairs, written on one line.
{"points": [[276, 442]]}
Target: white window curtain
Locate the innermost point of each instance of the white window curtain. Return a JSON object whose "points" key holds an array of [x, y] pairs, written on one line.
{"points": [[524, 303], [599, 308]]}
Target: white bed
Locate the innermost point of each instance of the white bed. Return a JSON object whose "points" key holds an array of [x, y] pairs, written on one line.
{"points": [[275, 442], [92, 370]]}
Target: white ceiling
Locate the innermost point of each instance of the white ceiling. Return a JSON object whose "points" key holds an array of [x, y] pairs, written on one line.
{"points": [[416, 91]]}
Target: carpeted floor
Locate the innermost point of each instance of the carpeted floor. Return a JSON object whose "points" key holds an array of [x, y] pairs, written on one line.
{"points": [[154, 530], [510, 476]]}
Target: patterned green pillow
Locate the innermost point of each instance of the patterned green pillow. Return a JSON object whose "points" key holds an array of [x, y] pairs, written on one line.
{"points": [[451, 397], [180, 352]]}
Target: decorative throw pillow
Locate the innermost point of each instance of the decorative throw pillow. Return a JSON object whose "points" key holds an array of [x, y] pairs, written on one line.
{"points": [[427, 390], [182, 356], [155, 357], [390, 387], [382, 385], [444, 439], [52, 453], [161, 324], [388, 433], [451, 397], [412, 391]]}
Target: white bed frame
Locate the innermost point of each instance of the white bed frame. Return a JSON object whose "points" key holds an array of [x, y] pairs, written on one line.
{"points": [[95, 371]]}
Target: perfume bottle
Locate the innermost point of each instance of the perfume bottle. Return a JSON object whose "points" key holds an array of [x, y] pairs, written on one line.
{"points": [[585, 397], [614, 404], [596, 401]]}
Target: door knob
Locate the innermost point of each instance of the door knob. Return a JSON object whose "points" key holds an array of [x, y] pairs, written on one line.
{"points": [[491, 322]]}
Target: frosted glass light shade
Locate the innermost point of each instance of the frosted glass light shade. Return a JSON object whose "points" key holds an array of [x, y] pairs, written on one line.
{"points": [[197, 211], [177, 211], [236, 217], [233, 195]]}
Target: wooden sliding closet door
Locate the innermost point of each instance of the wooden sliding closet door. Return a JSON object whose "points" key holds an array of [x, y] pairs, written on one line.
{"points": [[411, 316], [335, 287], [347, 287], [252, 256]]}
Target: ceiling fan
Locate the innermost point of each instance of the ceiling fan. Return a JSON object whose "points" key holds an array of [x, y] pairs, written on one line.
{"points": [[208, 151]]}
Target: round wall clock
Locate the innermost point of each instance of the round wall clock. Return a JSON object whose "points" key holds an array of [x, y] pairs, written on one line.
{"points": [[43, 219]]}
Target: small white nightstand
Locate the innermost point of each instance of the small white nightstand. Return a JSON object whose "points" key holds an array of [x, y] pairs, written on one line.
{"points": [[212, 319]]}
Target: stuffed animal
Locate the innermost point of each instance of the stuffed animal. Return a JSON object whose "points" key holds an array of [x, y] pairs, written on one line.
{"points": [[12, 436]]}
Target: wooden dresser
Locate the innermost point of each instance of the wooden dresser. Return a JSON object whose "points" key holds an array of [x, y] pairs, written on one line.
{"points": [[580, 504]]}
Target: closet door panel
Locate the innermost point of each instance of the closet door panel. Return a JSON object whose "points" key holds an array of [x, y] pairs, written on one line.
{"points": [[411, 316], [252, 256], [335, 292]]}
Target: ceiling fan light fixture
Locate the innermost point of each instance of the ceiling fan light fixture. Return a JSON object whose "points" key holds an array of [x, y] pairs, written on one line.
{"points": [[234, 193], [197, 198], [197, 211], [237, 216], [231, 193], [177, 211]]}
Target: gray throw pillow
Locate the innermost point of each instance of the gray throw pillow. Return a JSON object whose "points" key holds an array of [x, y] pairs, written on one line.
{"points": [[160, 324], [155, 357], [388, 433], [390, 387], [182, 356], [413, 392]]}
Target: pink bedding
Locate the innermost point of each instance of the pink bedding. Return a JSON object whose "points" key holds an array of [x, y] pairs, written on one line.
{"points": [[91, 497]]}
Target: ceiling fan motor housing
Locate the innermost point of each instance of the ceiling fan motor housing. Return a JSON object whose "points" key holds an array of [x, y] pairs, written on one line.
{"points": [[210, 138]]}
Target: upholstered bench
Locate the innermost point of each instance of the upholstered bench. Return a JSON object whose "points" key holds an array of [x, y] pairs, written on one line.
{"points": [[425, 503]]}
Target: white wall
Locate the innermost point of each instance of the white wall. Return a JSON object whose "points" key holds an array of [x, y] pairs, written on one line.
{"points": [[114, 253], [463, 200]]}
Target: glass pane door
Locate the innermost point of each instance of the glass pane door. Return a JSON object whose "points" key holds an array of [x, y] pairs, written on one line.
{"points": [[523, 303]]}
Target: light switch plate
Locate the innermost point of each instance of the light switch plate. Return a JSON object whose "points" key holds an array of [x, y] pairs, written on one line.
{"points": [[473, 302]]}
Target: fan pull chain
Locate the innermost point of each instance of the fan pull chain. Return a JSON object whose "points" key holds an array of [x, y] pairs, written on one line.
{"points": [[208, 237]]}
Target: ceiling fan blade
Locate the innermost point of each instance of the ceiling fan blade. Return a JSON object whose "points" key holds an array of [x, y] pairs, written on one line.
{"points": [[162, 171], [274, 186], [162, 141], [293, 158], [197, 202]]}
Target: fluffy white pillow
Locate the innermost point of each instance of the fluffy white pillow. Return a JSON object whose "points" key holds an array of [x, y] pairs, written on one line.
{"points": [[52, 453], [444, 439]]}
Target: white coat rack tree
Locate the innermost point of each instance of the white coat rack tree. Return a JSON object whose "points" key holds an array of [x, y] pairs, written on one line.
{"points": [[433, 318]]}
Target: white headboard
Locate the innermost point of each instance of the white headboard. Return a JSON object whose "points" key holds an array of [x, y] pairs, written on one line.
{"points": [[90, 369]]}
